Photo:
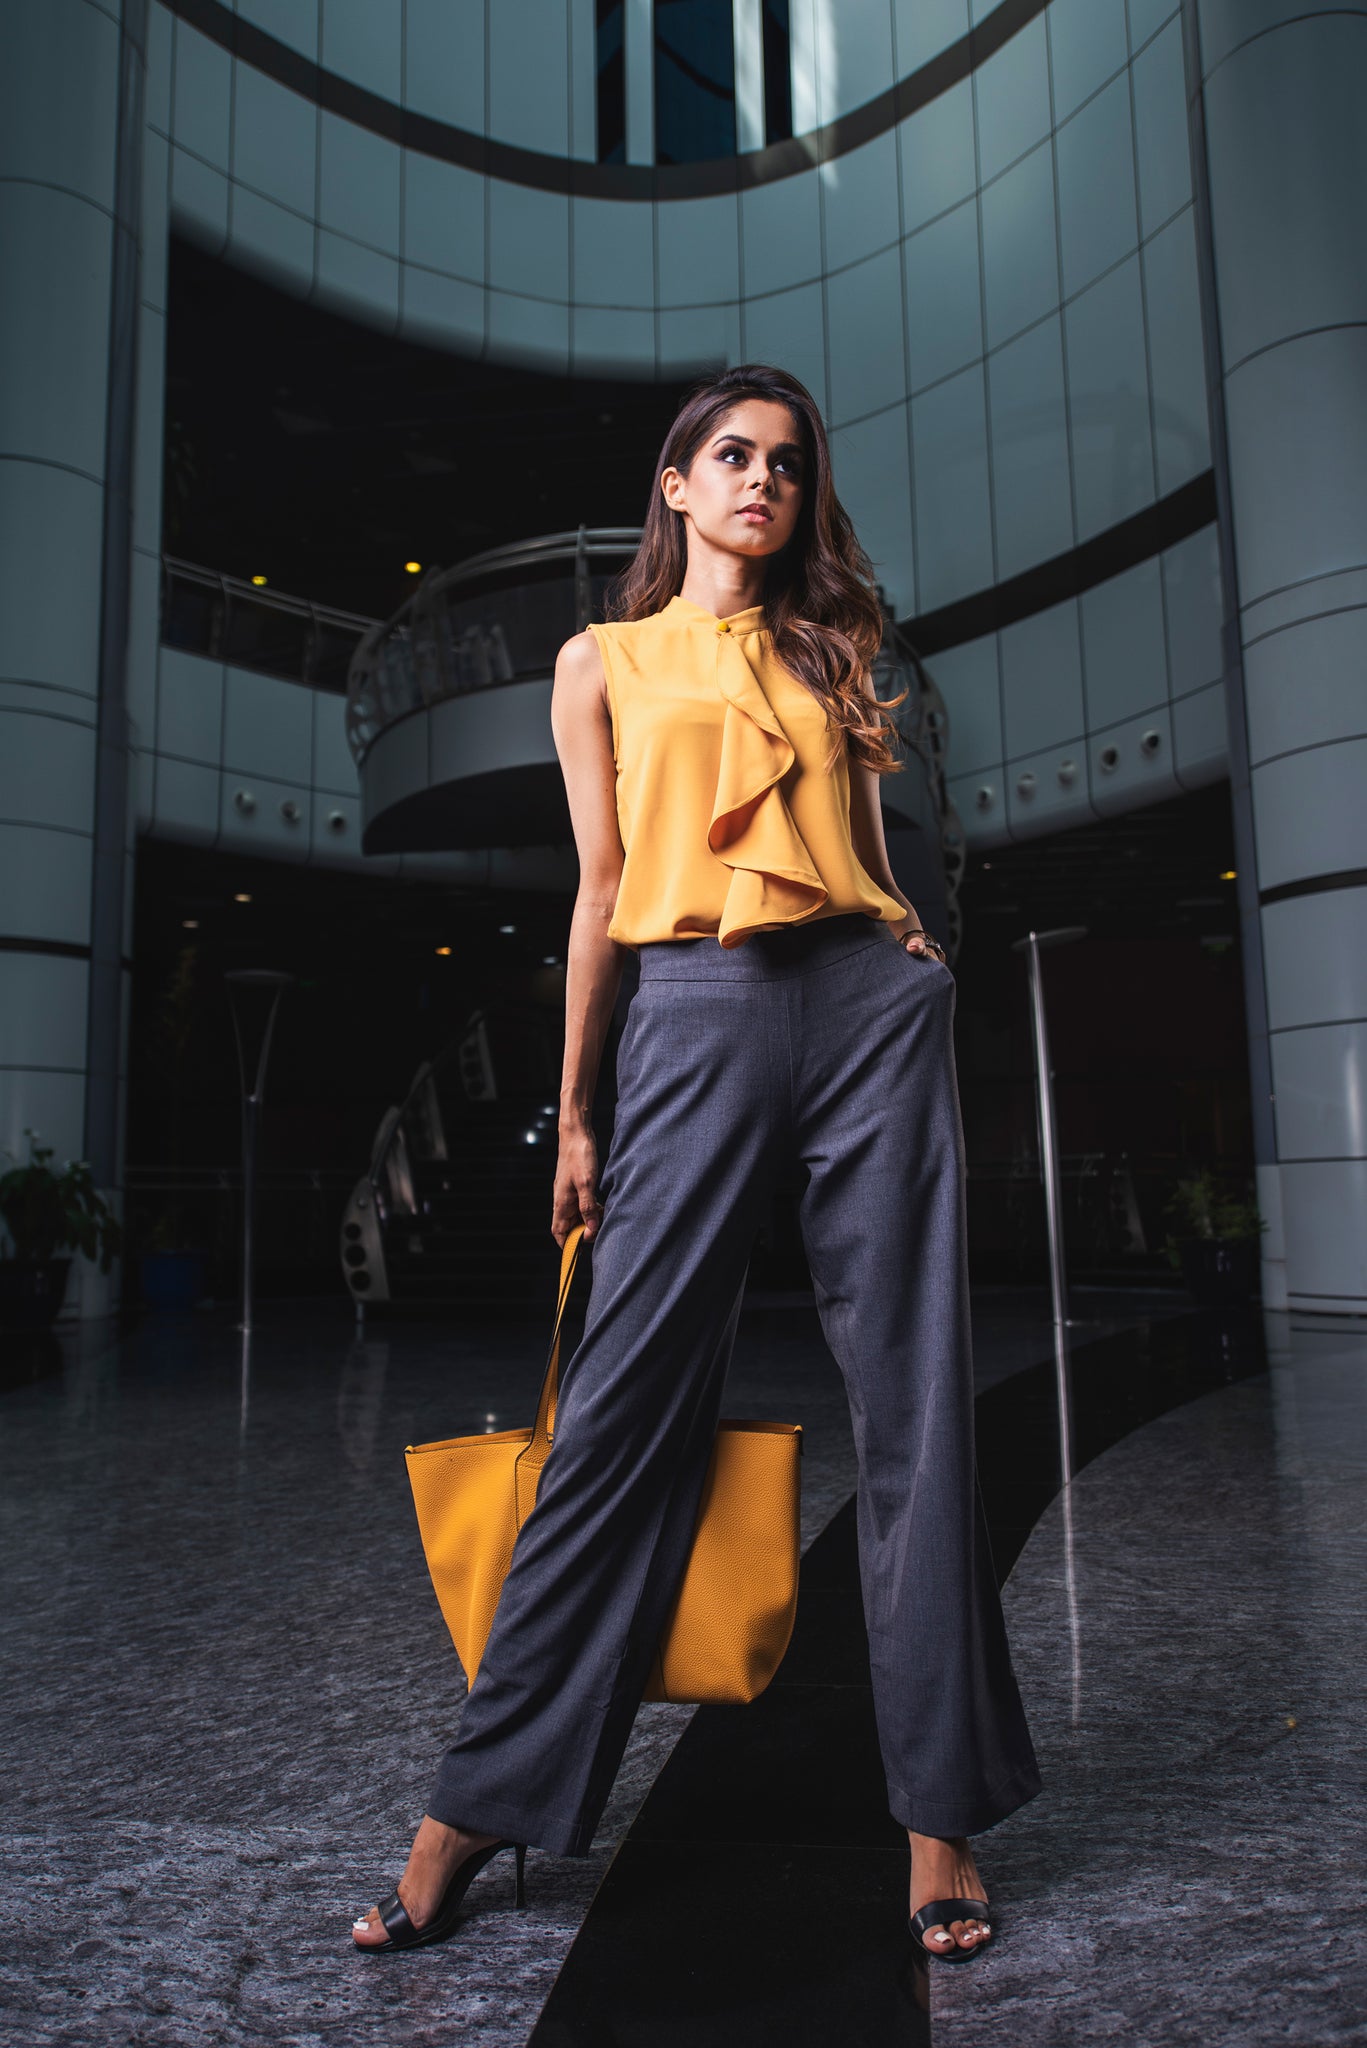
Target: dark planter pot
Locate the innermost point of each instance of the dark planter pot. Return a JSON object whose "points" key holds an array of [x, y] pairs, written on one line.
{"points": [[172, 1280], [31, 1292], [1219, 1271]]}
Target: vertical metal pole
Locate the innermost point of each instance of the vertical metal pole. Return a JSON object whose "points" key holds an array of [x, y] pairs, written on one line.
{"points": [[583, 588], [253, 1078], [1053, 1182], [251, 1108], [1048, 1137]]}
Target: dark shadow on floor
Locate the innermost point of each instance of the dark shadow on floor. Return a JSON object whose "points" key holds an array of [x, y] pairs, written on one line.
{"points": [[760, 1896]]}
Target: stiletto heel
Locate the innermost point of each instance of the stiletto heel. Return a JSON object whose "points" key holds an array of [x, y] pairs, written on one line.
{"points": [[403, 1934]]}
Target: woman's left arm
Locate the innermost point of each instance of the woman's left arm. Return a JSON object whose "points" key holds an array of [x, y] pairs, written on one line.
{"points": [[871, 847]]}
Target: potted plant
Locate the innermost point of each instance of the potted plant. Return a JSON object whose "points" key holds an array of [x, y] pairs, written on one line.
{"points": [[171, 1270], [46, 1213], [1214, 1238]]}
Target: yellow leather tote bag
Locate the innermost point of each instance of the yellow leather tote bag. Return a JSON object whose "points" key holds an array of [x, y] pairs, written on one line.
{"points": [[733, 1615]]}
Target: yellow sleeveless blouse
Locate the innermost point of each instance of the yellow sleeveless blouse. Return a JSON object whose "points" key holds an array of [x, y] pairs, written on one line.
{"points": [[729, 821]]}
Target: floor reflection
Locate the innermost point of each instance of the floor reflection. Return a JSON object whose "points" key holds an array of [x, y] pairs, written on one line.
{"points": [[217, 1617], [1204, 1803]]}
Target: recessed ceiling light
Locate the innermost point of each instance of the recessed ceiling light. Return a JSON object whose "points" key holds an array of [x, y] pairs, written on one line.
{"points": [[413, 568]]}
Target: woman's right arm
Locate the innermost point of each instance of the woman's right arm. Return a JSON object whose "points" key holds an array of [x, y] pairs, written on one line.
{"points": [[582, 726]]}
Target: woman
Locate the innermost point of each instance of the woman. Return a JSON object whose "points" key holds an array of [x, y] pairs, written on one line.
{"points": [[721, 746]]}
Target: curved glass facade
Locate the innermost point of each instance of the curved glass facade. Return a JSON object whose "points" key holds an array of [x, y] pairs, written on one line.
{"points": [[982, 247]]}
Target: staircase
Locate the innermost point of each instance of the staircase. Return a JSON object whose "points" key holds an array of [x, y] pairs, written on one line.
{"points": [[482, 1227]]}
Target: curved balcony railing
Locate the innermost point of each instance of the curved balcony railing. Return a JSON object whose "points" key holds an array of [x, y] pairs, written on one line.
{"points": [[250, 627], [498, 618], [502, 617]]}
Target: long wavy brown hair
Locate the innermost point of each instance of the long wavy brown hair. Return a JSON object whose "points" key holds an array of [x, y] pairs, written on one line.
{"points": [[820, 601]]}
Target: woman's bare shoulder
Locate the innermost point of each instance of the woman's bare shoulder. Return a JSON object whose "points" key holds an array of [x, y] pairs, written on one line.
{"points": [[580, 677], [580, 658]]}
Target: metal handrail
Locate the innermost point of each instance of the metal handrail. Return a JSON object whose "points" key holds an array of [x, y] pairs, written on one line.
{"points": [[585, 541], [316, 658], [428, 652]]}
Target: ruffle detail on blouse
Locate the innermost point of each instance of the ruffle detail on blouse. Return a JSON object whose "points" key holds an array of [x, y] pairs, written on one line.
{"points": [[773, 877]]}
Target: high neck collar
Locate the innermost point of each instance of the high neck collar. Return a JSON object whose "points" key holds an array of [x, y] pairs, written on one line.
{"points": [[750, 620]]}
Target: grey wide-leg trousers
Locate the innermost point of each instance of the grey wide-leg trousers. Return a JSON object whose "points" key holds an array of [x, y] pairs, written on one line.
{"points": [[829, 1044]]}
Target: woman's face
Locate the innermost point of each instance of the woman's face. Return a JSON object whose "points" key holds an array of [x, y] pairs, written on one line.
{"points": [[743, 492]]}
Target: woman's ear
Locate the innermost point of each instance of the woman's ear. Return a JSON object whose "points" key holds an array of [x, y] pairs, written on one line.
{"points": [[673, 489]]}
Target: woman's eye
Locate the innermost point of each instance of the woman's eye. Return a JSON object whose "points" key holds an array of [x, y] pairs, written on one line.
{"points": [[788, 465]]}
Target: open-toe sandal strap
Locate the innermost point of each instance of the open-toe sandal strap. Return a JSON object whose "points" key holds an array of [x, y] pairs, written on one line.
{"points": [[395, 1920], [940, 1912]]}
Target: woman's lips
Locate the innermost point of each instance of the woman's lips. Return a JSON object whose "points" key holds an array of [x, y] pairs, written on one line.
{"points": [[759, 514]]}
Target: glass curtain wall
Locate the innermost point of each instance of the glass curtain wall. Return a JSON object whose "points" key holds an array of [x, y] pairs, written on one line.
{"points": [[695, 81]]}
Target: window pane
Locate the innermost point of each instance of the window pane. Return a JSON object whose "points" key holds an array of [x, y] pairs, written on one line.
{"points": [[778, 72], [695, 81], [610, 65]]}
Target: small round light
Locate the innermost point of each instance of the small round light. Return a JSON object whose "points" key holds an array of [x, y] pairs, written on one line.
{"points": [[242, 897], [259, 582], [443, 952], [1230, 875], [413, 568], [189, 924], [507, 927]]}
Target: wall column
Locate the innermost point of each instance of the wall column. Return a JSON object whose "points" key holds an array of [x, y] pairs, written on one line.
{"points": [[1276, 91], [71, 118]]}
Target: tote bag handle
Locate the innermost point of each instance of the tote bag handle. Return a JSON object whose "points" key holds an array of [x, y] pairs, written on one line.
{"points": [[531, 1460]]}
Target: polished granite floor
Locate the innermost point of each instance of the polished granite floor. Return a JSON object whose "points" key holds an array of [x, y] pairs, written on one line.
{"points": [[225, 1683], [1189, 1623]]}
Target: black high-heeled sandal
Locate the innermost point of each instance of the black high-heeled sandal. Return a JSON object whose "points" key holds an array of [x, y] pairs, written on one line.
{"points": [[403, 1934], [939, 1913]]}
